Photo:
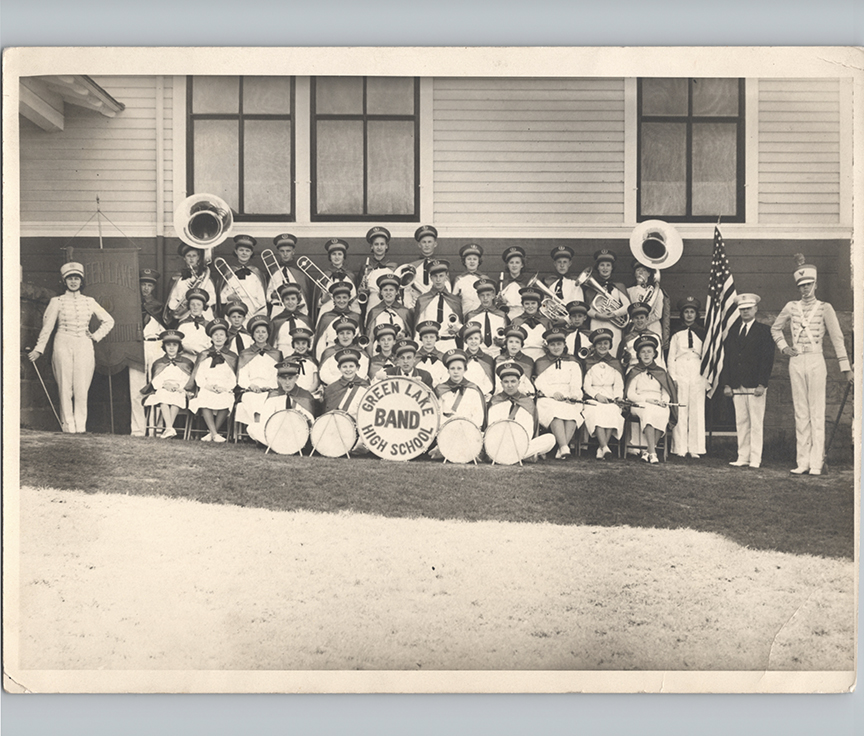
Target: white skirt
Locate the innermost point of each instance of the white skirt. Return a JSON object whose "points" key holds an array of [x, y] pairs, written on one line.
{"points": [[651, 415], [221, 376], [249, 405], [549, 409], [165, 396], [607, 416]]}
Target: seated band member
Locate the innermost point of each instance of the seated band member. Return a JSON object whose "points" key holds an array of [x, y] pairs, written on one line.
{"points": [[167, 387], [439, 305], [647, 290], [558, 379], [512, 404], [614, 299], [239, 337], [406, 357], [578, 337], [534, 323], [347, 393], [287, 320], [194, 325], [337, 250], [246, 286], [346, 337], [427, 241], [308, 379], [463, 284], [384, 355], [288, 273], [388, 311], [492, 320], [377, 265], [288, 395], [651, 388], [428, 357], [195, 275], [480, 368], [560, 284], [151, 328], [211, 386], [685, 368], [512, 281], [458, 397], [637, 328], [603, 384], [514, 339], [325, 335], [809, 319], [256, 370]]}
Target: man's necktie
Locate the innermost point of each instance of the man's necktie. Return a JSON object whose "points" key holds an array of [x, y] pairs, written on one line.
{"points": [[426, 272], [487, 330], [289, 404], [559, 288], [743, 332], [689, 337], [440, 319], [301, 362], [514, 407]]}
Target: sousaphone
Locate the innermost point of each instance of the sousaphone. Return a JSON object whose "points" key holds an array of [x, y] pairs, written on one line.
{"points": [[657, 246], [203, 221]]}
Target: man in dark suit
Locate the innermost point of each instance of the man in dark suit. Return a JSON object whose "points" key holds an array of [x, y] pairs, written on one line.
{"points": [[749, 357]]}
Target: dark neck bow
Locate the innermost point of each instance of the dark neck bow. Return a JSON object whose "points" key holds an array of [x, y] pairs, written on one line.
{"points": [[243, 272], [216, 357]]}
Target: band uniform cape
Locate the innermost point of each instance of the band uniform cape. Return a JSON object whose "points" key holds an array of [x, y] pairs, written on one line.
{"points": [[509, 292], [519, 400], [290, 274], [396, 314], [748, 362], [463, 288], [416, 373], [426, 303], [463, 399], [345, 395], [212, 366], [490, 320], [526, 385], [662, 377], [534, 327], [165, 370], [422, 281], [281, 327]]}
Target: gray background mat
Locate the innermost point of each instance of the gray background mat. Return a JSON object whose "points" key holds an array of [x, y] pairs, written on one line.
{"points": [[442, 22]]}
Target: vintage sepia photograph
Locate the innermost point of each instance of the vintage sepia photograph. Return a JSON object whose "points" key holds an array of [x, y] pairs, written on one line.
{"points": [[486, 370]]}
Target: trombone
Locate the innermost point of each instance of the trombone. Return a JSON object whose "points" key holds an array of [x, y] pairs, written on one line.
{"points": [[268, 258], [230, 278]]}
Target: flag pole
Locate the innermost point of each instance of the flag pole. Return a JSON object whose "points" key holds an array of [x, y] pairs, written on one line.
{"points": [[110, 382]]}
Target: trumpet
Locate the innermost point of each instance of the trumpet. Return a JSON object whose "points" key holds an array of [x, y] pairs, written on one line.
{"points": [[603, 302], [553, 307], [500, 332], [582, 353], [363, 341], [230, 278]]}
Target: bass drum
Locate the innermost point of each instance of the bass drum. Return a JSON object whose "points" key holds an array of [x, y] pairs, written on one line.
{"points": [[460, 441], [334, 434], [286, 432], [506, 442]]}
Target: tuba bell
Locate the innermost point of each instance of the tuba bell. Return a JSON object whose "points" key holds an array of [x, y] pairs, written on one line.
{"points": [[203, 221], [656, 245]]}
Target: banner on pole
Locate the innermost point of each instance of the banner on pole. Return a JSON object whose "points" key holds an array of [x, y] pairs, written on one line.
{"points": [[111, 278]]}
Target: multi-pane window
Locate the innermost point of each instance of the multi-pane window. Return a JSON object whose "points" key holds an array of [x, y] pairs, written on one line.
{"points": [[365, 148], [240, 143], [691, 149]]}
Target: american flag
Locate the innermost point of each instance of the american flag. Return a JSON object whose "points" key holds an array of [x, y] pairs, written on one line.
{"points": [[721, 311]]}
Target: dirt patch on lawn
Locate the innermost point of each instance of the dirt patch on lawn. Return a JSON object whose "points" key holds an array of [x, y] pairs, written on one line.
{"points": [[109, 581]]}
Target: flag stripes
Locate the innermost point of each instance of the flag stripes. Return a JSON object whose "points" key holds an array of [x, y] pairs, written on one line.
{"points": [[721, 312]]}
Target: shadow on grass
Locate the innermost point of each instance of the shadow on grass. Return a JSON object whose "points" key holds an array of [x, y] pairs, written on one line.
{"points": [[761, 509]]}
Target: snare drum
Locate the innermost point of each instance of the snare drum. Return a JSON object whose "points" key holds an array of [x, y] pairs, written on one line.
{"points": [[460, 441], [286, 432], [334, 434], [506, 442]]}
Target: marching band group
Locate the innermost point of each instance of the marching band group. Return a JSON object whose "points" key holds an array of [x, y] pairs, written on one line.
{"points": [[235, 340]]}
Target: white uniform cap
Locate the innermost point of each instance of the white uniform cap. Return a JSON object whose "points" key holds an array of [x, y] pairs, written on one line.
{"points": [[748, 300], [805, 274]]}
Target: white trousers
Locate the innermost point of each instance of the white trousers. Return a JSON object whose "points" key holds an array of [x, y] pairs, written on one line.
{"points": [[73, 362], [137, 381], [749, 417], [689, 434], [807, 374]]}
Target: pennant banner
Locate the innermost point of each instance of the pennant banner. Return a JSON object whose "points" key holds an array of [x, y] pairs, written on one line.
{"points": [[111, 278]]}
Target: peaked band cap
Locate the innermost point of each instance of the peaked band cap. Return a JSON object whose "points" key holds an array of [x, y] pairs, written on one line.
{"points": [[644, 340], [237, 307], [603, 333], [424, 230], [199, 294], [454, 354], [258, 321], [376, 232], [748, 300], [285, 239], [245, 240], [577, 306], [689, 302], [346, 354], [149, 274], [73, 268], [471, 249], [406, 346], [172, 336], [335, 244], [216, 324], [427, 327], [509, 368], [485, 284], [388, 279], [562, 251], [512, 252]]}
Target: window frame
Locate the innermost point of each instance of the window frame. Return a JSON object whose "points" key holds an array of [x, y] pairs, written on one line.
{"points": [[365, 117], [241, 117], [688, 120]]}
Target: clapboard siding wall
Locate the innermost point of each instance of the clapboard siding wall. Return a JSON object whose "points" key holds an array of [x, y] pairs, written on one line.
{"points": [[528, 151], [799, 151], [115, 158]]}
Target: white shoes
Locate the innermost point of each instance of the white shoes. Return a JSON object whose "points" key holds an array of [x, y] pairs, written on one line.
{"points": [[815, 471], [739, 464], [600, 453], [219, 438], [563, 453], [800, 471], [645, 456], [206, 438], [653, 459], [168, 433]]}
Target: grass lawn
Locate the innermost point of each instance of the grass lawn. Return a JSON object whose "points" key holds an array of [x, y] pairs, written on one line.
{"points": [[765, 509]]}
